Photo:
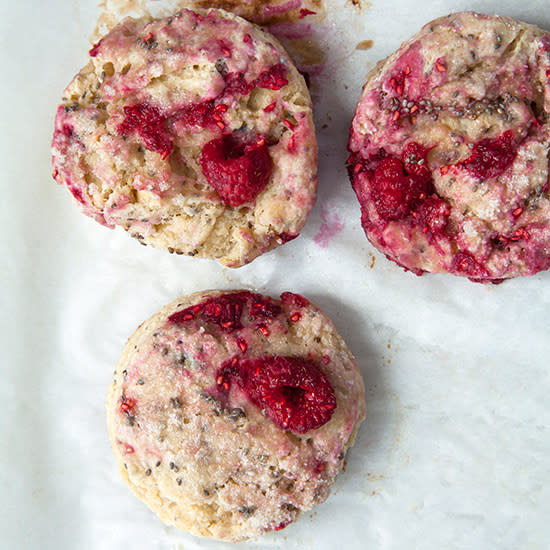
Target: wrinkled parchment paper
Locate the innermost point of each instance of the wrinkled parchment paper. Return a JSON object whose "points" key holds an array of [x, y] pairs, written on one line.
{"points": [[455, 452]]}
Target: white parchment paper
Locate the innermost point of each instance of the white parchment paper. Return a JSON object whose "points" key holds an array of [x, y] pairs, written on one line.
{"points": [[455, 452]]}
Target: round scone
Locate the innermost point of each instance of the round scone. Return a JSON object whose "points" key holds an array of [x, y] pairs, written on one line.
{"points": [[231, 412], [450, 149], [194, 133]]}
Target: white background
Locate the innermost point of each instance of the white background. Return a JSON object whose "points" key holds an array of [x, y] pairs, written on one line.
{"points": [[455, 452]]}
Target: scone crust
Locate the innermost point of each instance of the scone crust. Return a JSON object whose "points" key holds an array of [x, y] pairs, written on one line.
{"points": [[474, 91], [203, 59], [223, 469]]}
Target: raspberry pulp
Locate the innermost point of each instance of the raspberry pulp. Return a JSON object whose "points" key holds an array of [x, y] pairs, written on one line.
{"points": [[226, 310], [237, 170], [273, 79], [464, 262], [415, 161], [396, 192], [202, 114], [286, 237], [491, 156], [294, 393], [148, 122], [294, 299], [432, 215]]}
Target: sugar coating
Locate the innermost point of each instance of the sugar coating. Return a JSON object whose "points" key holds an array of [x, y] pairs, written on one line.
{"points": [[214, 463], [201, 75], [473, 91]]}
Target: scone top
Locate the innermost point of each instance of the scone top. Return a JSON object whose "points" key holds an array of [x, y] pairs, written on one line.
{"points": [[449, 149], [194, 133], [237, 409]]}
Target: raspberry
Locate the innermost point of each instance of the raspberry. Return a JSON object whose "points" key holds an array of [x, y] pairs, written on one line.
{"points": [[294, 393], [490, 157], [286, 237], [198, 114], [432, 215], [148, 122], [237, 171], [264, 308], [395, 193], [273, 79], [235, 84], [294, 299], [226, 310], [95, 49], [464, 262], [414, 158]]}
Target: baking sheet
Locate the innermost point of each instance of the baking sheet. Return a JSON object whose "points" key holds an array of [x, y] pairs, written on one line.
{"points": [[455, 450]]}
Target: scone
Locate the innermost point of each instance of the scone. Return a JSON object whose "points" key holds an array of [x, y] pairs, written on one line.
{"points": [[450, 149], [230, 412], [194, 133]]}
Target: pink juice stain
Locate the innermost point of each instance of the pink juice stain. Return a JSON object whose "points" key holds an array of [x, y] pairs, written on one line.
{"points": [[331, 225]]}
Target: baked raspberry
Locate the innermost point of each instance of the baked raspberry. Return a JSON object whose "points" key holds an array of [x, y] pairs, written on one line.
{"points": [[286, 237], [273, 78], [237, 170], [235, 84], [491, 156], [293, 392], [202, 114], [432, 215], [294, 299], [148, 122], [415, 160], [463, 262], [226, 310], [394, 192]]}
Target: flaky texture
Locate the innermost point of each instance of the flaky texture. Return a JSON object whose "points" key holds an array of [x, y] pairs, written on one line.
{"points": [[219, 466], [474, 91], [179, 65]]}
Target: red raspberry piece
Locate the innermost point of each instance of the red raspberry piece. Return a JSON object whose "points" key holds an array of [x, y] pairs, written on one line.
{"points": [[415, 161], [395, 193], [235, 84], [273, 78], [464, 262], [294, 299], [264, 308], [294, 393], [389, 189], [237, 171], [148, 122], [432, 215], [286, 237], [226, 310], [197, 114], [95, 49], [491, 156]]}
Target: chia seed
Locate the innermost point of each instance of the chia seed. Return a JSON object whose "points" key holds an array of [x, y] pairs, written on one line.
{"points": [[247, 511]]}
